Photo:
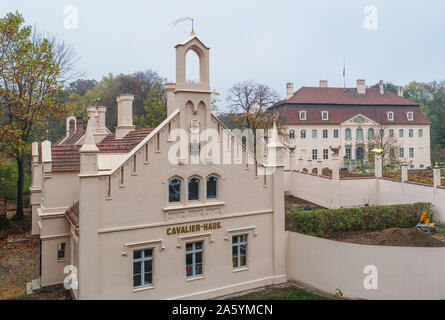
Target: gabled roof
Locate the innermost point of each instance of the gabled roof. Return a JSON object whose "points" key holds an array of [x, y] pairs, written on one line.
{"points": [[348, 96]]}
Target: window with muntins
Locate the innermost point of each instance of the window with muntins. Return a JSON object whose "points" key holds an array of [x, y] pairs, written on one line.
{"points": [[402, 153], [142, 268], [390, 116], [193, 259], [212, 187], [325, 115], [325, 154], [348, 153], [335, 133], [348, 133], [239, 251], [314, 134], [325, 134], [400, 133], [194, 189], [292, 134], [303, 134], [314, 154], [302, 115], [420, 133], [409, 116], [174, 190], [411, 152]]}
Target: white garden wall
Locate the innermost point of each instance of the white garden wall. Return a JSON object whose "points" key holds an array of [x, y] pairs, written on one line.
{"points": [[402, 272]]}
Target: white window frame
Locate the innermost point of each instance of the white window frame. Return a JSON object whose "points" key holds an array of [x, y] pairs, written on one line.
{"points": [[411, 152], [410, 133], [325, 154], [316, 134], [336, 134], [349, 157], [401, 153], [292, 133], [327, 133], [314, 153], [301, 134], [303, 115], [390, 116], [420, 133], [401, 133], [142, 260], [238, 244], [323, 117], [193, 252], [410, 116]]}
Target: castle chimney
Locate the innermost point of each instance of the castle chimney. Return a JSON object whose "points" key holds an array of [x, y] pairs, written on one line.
{"points": [[124, 115], [400, 91], [101, 116], [289, 90], [361, 89], [92, 116], [381, 87], [323, 83]]}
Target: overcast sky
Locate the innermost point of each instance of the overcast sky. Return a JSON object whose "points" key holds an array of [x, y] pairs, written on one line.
{"points": [[272, 42]]}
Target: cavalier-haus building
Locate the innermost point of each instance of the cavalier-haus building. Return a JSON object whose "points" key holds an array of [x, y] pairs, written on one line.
{"points": [[356, 119], [135, 214]]}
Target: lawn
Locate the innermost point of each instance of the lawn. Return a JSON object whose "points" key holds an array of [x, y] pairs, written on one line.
{"points": [[289, 292]]}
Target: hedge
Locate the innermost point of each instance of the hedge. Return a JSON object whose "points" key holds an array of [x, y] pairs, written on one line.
{"points": [[326, 221]]}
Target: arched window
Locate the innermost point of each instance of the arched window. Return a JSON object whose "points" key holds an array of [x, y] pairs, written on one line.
{"points": [[348, 133], [370, 133], [359, 133], [303, 134], [194, 189], [292, 134], [174, 190], [212, 187], [192, 67]]}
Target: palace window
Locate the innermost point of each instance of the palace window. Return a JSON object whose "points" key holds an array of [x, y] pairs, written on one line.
{"points": [[142, 268], [303, 134], [391, 133], [348, 133], [359, 133], [239, 251], [335, 133], [411, 133], [314, 134], [292, 134], [420, 133], [324, 115], [314, 154], [212, 187], [370, 133], [325, 154], [325, 133], [402, 153], [381, 133], [400, 133], [302, 115], [194, 189], [410, 116], [61, 247], [390, 116], [348, 153], [174, 190], [411, 152], [193, 259]]}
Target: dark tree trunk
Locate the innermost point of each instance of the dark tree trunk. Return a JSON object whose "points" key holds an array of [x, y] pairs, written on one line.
{"points": [[20, 184]]}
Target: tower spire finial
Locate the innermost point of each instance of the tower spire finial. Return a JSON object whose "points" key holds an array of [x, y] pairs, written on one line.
{"points": [[176, 21]]}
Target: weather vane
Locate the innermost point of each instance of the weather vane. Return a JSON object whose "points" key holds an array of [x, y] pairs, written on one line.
{"points": [[179, 20]]}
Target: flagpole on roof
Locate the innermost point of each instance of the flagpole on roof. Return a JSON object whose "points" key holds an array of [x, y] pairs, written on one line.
{"points": [[344, 74]]}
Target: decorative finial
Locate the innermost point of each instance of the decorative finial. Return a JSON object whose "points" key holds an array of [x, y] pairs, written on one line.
{"points": [[176, 21], [436, 165]]}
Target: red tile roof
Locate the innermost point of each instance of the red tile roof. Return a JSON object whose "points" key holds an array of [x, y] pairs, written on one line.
{"points": [[317, 95], [67, 157], [343, 105], [72, 213]]}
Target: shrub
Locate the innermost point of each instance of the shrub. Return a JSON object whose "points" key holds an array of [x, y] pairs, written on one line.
{"points": [[367, 219], [4, 222]]}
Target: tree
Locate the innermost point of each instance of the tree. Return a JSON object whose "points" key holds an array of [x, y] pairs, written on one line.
{"points": [[155, 107], [32, 71], [8, 179], [249, 102], [382, 139]]}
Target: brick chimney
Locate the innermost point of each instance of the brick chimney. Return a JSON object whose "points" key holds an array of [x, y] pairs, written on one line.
{"points": [[400, 91], [323, 83], [361, 88], [289, 90], [124, 115], [381, 87]]}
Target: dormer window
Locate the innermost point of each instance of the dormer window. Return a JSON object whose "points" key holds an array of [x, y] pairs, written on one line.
{"points": [[410, 116], [302, 115], [324, 115], [390, 116]]}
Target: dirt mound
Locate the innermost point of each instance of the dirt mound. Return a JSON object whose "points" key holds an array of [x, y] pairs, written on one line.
{"points": [[394, 237]]}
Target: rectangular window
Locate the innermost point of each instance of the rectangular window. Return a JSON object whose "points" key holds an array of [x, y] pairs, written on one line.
{"points": [[325, 134], [314, 154], [324, 115], [411, 152], [420, 133], [410, 117], [303, 134], [335, 133], [411, 133], [61, 251], [348, 153], [142, 268], [325, 154], [400, 133], [402, 153], [314, 134], [193, 259], [391, 133], [390, 116], [239, 251], [302, 115]]}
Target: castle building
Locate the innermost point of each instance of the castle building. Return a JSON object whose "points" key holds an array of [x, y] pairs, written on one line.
{"points": [[356, 119], [120, 219]]}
